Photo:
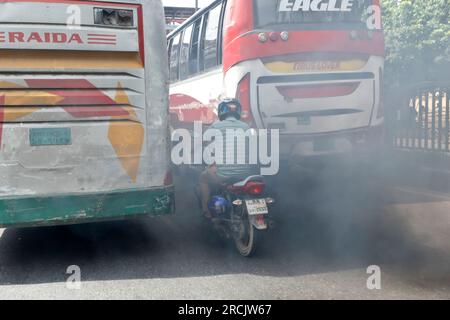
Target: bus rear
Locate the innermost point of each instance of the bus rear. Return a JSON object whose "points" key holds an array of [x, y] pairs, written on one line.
{"points": [[83, 112], [311, 69]]}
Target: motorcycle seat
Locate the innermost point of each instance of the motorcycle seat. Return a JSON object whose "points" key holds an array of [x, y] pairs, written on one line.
{"points": [[242, 183]]}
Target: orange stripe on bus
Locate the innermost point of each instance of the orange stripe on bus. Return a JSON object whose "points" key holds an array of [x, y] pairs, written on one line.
{"points": [[127, 137], [41, 59]]}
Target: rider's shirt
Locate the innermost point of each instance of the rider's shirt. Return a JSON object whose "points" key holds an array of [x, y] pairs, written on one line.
{"points": [[235, 150]]}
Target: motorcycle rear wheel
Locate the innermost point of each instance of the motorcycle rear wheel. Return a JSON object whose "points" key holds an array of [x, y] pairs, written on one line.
{"points": [[246, 241]]}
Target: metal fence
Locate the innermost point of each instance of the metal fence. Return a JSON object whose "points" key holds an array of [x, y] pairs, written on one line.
{"points": [[423, 120]]}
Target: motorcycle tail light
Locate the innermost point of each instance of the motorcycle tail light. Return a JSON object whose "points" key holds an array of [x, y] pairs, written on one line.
{"points": [[254, 188]]}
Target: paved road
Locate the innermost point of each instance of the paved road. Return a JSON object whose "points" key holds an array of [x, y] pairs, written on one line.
{"points": [[330, 229]]}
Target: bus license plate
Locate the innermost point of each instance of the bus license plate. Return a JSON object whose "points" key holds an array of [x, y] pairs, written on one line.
{"points": [[257, 207], [50, 137]]}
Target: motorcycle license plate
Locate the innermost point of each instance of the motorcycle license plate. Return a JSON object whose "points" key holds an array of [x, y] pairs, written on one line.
{"points": [[257, 207]]}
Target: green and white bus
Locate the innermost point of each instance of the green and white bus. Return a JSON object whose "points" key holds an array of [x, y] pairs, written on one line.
{"points": [[83, 112]]}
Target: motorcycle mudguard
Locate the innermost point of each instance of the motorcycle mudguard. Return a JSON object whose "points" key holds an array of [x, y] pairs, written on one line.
{"points": [[259, 222]]}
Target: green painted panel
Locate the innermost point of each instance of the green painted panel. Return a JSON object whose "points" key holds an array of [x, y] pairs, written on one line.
{"points": [[50, 136], [82, 208]]}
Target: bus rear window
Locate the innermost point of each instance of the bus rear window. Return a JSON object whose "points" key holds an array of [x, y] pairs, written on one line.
{"points": [[312, 12]]}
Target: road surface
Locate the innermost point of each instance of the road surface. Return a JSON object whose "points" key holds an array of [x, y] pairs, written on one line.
{"points": [[330, 229]]}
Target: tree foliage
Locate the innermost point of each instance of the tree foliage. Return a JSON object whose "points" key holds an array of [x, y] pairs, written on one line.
{"points": [[417, 41]]}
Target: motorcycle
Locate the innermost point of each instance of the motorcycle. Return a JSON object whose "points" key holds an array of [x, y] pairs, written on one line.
{"points": [[240, 212]]}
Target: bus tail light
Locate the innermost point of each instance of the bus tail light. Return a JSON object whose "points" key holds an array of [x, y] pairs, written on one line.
{"points": [[273, 36], [243, 95]]}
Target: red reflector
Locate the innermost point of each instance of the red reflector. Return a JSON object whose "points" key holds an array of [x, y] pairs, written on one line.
{"points": [[260, 221], [318, 90], [273, 36], [243, 95], [168, 179]]}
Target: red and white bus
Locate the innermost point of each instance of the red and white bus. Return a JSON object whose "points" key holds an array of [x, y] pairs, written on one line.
{"points": [[312, 69]]}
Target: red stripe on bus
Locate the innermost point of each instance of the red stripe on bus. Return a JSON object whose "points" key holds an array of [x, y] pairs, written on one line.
{"points": [[59, 83], [105, 43], [101, 35], [96, 3], [91, 112], [250, 48], [102, 39], [80, 97], [141, 33]]}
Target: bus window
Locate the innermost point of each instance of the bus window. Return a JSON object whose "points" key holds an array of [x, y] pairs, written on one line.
{"points": [[194, 49], [184, 52], [220, 44], [210, 41], [267, 14], [174, 54], [169, 46]]}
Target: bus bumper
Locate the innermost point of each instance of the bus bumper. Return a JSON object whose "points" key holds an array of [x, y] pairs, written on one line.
{"points": [[329, 145], [28, 211]]}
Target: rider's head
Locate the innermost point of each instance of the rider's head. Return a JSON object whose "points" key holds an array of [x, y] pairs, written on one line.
{"points": [[229, 108]]}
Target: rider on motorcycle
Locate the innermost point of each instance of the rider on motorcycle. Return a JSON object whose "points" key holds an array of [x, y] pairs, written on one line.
{"points": [[229, 113]]}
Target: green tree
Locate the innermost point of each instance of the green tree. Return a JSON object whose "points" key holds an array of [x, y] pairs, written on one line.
{"points": [[417, 41]]}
